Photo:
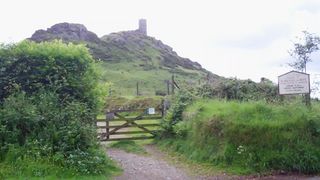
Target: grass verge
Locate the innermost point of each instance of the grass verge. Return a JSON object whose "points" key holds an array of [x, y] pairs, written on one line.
{"points": [[251, 137], [17, 166]]}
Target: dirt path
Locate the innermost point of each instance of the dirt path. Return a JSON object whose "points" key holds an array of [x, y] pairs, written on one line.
{"points": [[154, 167], [145, 167]]}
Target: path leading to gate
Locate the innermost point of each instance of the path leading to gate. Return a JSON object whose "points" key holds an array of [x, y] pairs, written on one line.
{"points": [[145, 167], [154, 166]]}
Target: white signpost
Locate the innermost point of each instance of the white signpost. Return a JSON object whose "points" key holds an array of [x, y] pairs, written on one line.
{"points": [[151, 111], [294, 82]]}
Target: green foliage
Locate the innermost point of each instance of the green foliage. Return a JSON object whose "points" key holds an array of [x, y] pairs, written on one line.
{"points": [[61, 133], [48, 103], [17, 120], [181, 100], [29, 163], [160, 93], [21, 164], [243, 90], [251, 137], [66, 69]]}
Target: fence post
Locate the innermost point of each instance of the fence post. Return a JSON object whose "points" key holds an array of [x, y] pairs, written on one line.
{"points": [[162, 108], [308, 100], [137, 88], [168, 87], [110, 91], [172, 84], [109, 116]]}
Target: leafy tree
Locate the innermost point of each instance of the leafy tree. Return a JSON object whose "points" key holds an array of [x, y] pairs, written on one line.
{"points": [[302, 50]]}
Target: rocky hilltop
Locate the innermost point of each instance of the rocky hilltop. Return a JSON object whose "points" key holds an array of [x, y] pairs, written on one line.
{"points": [[66, 32], [147, 48], [126, 45], [131, 57]]}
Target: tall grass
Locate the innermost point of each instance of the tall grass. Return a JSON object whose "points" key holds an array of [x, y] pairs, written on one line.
{"points": [[250, 136], [23, 164]]}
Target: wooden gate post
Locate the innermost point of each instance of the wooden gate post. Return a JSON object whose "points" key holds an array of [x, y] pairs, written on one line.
{"points": [[109, 116], [168, 87], [172, 84], [138, 93], [162, 108]]}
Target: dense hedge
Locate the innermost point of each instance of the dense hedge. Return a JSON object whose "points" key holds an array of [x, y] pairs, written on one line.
{"points": [[243, 90], [48, 104], [250, 137], [66, 69]]}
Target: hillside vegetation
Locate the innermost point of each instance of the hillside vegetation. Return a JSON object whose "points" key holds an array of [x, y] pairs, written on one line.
{"points": [[129, 57], [245, 137]]}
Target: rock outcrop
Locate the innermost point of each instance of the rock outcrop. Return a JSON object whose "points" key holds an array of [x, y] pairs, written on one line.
{"points": [[66, 32], [146, 48], [126, 45]]}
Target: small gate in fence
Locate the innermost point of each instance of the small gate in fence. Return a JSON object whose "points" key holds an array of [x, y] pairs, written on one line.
{"points": [[130, 124]]}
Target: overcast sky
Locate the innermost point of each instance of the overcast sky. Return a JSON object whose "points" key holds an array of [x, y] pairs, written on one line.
{"points": [[247, 39]]}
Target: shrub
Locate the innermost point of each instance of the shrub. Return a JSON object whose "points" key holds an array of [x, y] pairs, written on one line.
{"points": [[66, 69], [174, 115], [243, 90], [48, 103], [48, 130], [160, 93]]}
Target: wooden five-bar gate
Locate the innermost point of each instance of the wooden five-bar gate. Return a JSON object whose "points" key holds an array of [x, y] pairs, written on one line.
{"points": [[118, 124]]}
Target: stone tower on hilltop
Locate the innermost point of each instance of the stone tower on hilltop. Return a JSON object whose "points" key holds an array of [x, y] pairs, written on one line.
{"points": [[143, 26]]}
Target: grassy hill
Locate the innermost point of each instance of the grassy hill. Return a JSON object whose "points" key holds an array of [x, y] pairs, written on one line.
{"points": [[129, 57]]}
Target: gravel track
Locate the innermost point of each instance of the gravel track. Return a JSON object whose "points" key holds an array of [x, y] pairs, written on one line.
{"points": [[154, 167], [144, 167]]}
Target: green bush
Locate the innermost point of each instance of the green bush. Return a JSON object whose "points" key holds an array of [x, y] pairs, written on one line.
{"points": [[251, 137], [50, 131], [66, 69], [160, 93], [48, 104], [174, 115], [243, 90]]}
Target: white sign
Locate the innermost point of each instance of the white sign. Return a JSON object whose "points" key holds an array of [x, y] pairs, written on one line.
{"points": [[294, 82], [151, 111]]}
